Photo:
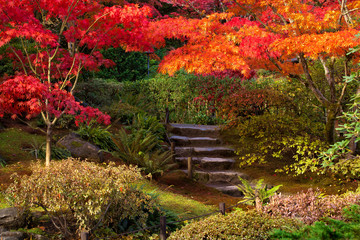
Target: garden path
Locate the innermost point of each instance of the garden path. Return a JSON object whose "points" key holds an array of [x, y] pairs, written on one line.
{"points": [[212, 160]]}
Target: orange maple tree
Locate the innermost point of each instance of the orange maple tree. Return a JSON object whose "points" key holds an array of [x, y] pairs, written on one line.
{"points": [[283, 36]]}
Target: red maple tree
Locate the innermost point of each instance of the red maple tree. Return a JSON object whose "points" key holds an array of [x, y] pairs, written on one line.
{"points": [[51, 42]]}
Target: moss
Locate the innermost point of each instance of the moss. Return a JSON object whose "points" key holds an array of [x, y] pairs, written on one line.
{"points": [[76, 144]]}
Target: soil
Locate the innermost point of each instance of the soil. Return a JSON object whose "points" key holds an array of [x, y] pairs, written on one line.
{"points": [[177, 182]]}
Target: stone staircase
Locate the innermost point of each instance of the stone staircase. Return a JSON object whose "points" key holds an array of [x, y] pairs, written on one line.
{"points": [[212, 160]]}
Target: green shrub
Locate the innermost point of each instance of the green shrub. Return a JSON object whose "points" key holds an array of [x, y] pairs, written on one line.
{"points": [[141, 150], [98, 92], [328, 228], [310, 206], [38, 149], [2, 162], [79, 195], [129, 66], [97, 135], [339, 158], [174, 93], [260, 191], [235, 225], [277, 136], [122, 112], [146, 124]]}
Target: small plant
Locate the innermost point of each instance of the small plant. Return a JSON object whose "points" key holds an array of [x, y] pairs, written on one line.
{"points": [[257, 195], [35, 147], [98, 135], [204, 119], [2, 162], [146, 124], [139, 150], [38, 150]]}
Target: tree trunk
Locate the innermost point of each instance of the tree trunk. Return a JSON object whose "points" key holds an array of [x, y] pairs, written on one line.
{"points": [[330, 124], [48, 144]]}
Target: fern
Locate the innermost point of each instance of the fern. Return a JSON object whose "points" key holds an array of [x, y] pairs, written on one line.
{"points": [[138, 150], [260, 191]]}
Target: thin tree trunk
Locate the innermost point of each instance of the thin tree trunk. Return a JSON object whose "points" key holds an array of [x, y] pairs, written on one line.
{"points": [[331, 114], [48, 144]]}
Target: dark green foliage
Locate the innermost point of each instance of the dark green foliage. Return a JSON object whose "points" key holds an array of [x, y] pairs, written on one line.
{"points": [[204, 119], [141, 150], [6, 67], [175, 93], [143, 146], [146, 124], [328, 229], [122, 112], [98, 92], [38, 149], [235, 225], [56, 153], [2, 162], [97, 135], [130, 66]]}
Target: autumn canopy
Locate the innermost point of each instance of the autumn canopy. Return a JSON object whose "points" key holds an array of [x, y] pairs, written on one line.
{"points": [[282, 36], [52, 41]]}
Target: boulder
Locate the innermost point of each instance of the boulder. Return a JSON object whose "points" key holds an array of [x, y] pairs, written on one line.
{"points": [[80, 148], [11, 217], [12, 236], [3, 229]]}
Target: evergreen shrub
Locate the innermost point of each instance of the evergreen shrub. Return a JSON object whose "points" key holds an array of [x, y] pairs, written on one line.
{"points": [[79, 195], [235, 225]]}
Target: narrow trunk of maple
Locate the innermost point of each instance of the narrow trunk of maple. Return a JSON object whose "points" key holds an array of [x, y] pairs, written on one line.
{"points": [[330, 124], [48, 144]]}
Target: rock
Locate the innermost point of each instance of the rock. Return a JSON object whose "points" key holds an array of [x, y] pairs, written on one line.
{"points": [[80, 148], [12, 236], [11, 217], [3, 229], [39, 237]]}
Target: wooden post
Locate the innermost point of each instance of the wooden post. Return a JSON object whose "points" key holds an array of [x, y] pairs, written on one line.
{"points": [[167, 116], [222, 208], [173, 151], [162, 228], [190, 170], [258, 202], [84, 235]]}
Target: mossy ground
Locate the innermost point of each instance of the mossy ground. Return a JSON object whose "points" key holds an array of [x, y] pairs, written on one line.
{"points": [[329, 184]]}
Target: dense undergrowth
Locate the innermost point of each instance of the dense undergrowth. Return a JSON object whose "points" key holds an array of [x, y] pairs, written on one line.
{"points": [[274, 123]]}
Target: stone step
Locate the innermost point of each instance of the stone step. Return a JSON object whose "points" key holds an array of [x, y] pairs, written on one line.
{"points": [[218, 177], [194, 141], [208, 162], [221, 176], [228, 189], [193, 130], [204, 152]]}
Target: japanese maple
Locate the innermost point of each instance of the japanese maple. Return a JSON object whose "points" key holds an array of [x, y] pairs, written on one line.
{"points": [[274, 35], [51, 42]]}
